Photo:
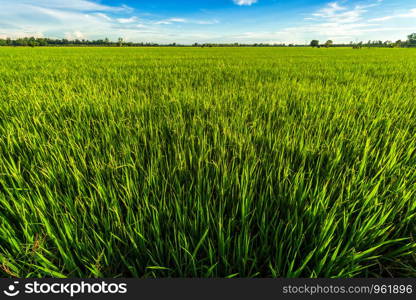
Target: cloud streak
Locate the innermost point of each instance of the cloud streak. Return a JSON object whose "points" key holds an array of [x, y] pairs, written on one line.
{"points": [[342, 22], [409, 14]]}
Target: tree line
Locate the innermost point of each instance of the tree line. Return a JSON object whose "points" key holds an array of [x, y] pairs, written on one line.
{"points": [[410, 42], [43, 42]]}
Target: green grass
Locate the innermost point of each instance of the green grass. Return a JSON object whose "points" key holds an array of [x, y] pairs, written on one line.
{"points": [[238, 162]]}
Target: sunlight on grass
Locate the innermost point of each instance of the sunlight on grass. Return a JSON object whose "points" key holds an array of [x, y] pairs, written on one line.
{"points": [[220, 162]]}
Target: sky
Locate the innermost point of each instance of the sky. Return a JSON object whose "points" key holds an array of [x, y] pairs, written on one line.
{"points": [[208, 21]]}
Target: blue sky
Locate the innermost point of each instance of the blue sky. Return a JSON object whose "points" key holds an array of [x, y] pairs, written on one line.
{"points": [[189, 21]]}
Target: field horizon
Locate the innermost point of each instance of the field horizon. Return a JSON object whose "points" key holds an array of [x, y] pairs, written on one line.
{"points": [[207, 162]]}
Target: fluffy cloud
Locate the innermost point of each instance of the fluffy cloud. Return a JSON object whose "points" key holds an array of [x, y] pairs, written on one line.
{"points": [[130, 20], [335, 13], [341, 21], [84, 19], [244, 2], [57, 18], [330, 10]]}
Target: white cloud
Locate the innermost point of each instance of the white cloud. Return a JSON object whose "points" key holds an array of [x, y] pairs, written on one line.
{"points": [[410, 14], [171, 21], [57, 18], [104, 16], [74, 5], [84, 19], [130, 20], [336, 13], [382, 19], [330, 10], [339, 21], [189, 21], [244, 2], [75, 35]]}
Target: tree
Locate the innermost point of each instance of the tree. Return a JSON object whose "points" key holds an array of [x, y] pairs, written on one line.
{"points": [[120, 42], [314, 43], [357, 46], [388, 43], [398, 44], [412, 39], [329, 43]]}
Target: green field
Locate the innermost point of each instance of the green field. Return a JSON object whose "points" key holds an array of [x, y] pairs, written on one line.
{"points": [[207, 162]]}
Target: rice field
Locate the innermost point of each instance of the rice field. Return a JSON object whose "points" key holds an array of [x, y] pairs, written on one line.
{"points": [[207, 162]]}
